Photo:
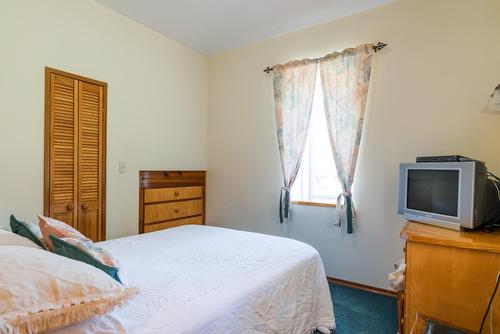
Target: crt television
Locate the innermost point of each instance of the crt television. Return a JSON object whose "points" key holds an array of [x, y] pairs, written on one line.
{"points": [[446, 194]]}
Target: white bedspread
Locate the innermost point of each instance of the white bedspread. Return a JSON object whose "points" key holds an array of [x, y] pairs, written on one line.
{"points": [[208, 280]]}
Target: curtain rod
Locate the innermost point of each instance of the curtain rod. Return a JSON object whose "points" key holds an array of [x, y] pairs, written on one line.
{"points": [[377, 47]]}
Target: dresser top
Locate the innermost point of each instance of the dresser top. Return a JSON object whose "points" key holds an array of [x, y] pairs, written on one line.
{"points": [[479, 240]]}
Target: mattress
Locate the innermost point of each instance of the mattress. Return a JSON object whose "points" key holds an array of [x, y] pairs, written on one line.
{"points": [[209, 280]]}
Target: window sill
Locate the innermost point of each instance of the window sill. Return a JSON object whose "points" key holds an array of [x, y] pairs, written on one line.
{"points": [[331, 205]]}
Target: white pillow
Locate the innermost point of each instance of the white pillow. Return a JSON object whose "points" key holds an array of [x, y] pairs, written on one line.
{"points": [[8, 238], [41, 291]]}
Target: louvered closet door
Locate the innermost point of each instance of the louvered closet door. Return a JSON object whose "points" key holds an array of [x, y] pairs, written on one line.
{"points": [[63, 149], [91, 148], [75, 137]]}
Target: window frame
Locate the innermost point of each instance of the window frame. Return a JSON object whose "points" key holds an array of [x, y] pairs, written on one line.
{"points": [[312, 203]]}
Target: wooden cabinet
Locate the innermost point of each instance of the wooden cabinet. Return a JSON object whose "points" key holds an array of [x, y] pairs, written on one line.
{"points": [[450, 276], [75, 143], [171, 198]]}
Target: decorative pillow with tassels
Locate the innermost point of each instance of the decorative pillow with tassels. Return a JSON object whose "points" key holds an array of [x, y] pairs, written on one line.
{"points": [[54, 291]]}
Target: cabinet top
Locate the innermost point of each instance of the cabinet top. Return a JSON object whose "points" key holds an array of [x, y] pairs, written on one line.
{"points": [[478, 240], [171, 178]]}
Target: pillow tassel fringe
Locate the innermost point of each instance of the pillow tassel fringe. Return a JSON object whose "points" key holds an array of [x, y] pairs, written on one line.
{"points": [[63, 315]]}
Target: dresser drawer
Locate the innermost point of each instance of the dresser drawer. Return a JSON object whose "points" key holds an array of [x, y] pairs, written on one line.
{"points": [[171, 198], [167, 211], [198, 220], [171, 194]]}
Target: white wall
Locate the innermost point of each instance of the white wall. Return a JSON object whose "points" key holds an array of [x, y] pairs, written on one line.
{"points": [[157, 100], [428, 88]]}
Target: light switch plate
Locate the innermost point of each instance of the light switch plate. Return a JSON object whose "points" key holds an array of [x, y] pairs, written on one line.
{"points": [[123, 166]]}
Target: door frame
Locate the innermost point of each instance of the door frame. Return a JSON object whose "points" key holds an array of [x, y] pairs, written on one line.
{"points": [[46, 173]]}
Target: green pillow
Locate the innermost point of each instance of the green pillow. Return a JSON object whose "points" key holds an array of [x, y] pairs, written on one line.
{"points": [[28, 230], [72, 251]]}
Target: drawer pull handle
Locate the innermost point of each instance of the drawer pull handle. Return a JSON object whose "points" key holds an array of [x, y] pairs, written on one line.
{"points": [[176, 193], [70, 207], [85, 206], [176, 210]]}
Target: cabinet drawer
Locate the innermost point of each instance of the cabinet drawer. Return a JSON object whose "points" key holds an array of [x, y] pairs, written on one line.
{"points": [[172, 194], [198, 220], [166, 211]]}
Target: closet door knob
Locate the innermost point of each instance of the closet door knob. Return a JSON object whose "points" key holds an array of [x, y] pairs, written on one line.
{"points": [[70, 207], [85, 206]]}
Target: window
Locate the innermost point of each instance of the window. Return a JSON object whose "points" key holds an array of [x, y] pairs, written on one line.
{"points": [[317, 181]]}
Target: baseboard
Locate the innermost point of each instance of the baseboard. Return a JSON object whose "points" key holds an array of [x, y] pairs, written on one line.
{"points": [[363, 287]]}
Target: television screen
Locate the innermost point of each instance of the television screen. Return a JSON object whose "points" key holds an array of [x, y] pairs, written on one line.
{"points": [[433, 191]]}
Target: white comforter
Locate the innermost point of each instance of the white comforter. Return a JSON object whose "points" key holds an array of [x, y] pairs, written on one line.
{"points": [[208, 280]]}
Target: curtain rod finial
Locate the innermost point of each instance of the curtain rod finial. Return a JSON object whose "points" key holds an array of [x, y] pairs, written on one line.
{"points": [[268, 70], [379, 46]]}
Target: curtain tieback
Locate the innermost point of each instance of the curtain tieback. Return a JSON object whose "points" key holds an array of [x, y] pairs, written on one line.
{"points": [[284, 204], [341, 210]]}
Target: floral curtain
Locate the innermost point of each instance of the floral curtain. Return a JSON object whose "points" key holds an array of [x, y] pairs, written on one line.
{"points": [[345, 79], [293, 97]]}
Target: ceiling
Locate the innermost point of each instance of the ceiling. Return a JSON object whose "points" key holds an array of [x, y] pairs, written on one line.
{"points": [[213, 26]]}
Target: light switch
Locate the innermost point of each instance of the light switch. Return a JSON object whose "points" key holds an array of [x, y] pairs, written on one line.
{"points": [[123, 167]]}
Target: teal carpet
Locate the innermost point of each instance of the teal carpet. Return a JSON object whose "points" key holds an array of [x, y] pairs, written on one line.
{"points": [[361, 312]]}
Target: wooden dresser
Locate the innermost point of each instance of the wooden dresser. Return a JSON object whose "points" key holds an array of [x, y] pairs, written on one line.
{"points": [[450, 276], [171, 198]]}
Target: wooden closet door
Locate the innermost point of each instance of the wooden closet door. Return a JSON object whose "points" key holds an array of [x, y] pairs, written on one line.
{"points": [[62, 149], [75, 151], [91, 159]]}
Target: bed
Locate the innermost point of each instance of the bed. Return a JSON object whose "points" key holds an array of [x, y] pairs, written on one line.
{"points": [[209, 280]]}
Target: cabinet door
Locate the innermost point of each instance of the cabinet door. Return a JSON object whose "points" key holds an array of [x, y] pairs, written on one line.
{"points": [[62, 150], [91, 160]]}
